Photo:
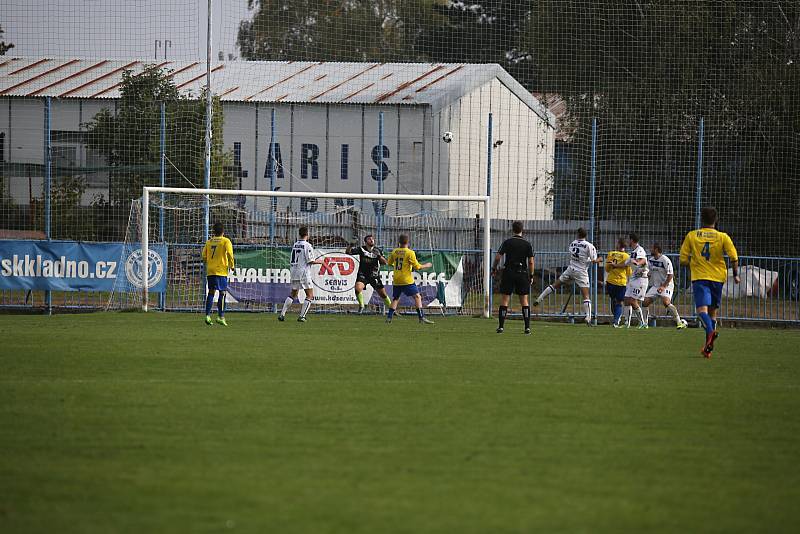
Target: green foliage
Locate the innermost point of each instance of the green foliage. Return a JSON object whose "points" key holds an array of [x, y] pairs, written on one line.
{"points": [[157, 423], [130, 137], [647, 69], [4, 47]]}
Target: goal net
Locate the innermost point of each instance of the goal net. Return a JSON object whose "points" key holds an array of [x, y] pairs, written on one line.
{"points": [[170, 226]]}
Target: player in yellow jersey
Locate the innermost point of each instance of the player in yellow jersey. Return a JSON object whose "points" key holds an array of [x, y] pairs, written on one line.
{"points": [[404, 261], [703, 251], [617, 273], [218, 257]]}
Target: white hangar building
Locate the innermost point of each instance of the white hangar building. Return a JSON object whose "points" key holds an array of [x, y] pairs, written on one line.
{"points": [[326, 125]]}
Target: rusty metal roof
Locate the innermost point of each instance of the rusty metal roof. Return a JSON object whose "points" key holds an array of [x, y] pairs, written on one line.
{"points": [[434, 84]]}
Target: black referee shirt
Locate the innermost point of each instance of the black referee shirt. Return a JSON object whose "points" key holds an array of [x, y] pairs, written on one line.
{"points": [[517, 251]]}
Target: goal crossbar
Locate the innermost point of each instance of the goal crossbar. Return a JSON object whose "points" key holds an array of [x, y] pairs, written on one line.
{"points": [[485, 200]]}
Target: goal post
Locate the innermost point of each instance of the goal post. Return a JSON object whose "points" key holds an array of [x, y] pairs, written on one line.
{"points": [[449, 211]]}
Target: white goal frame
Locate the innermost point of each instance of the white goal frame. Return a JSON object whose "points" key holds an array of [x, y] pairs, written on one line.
{"points": [[485, 200]]}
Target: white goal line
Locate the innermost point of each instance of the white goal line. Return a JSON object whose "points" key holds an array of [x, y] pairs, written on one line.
{"points": [[485, 200]]}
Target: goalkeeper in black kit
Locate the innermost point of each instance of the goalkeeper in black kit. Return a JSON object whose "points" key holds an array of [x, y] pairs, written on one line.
{"points": [[517, 256], [370, 259]]}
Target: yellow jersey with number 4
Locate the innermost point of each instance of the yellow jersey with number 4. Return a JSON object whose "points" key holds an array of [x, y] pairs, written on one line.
{"points": [[704, 250], [404, 261], [218, 256]]}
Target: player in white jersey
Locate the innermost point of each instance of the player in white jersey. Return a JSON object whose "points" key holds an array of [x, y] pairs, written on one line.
{"points": [[662, 284], [582, 254], [636, 288], [300, 272]]}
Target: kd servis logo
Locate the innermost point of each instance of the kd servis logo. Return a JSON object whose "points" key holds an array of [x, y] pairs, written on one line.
{"points": [[133, 268], [336, 274]]}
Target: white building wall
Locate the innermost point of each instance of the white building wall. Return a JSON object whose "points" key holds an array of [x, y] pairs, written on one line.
{"points": [[521, 165], [24, 144], [417, 160]]}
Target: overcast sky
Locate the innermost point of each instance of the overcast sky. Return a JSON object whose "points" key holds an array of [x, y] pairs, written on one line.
{"points": [[120, 28]]}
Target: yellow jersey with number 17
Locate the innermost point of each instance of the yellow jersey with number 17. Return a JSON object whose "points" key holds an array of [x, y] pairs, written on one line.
{"points": [[404, 260], [218, 256], [704, 250]]}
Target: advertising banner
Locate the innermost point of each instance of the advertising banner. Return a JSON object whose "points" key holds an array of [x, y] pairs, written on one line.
{"points": [[74, 266], [262, 276]]}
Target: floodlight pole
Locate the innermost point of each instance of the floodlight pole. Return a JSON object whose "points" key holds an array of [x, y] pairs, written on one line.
{"points": [[592, 188], [272, 169], [162, 296], [145, 244], [380, 177], [699, 185], [487, 280], [209, 111], [48, 182]]}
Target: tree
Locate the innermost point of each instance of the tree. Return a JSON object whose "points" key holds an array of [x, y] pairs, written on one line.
{"points": [[648, 70], [130, 138], [4, 47]]}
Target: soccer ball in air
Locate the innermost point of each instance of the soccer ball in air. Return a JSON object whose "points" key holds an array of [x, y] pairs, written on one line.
{"points": [[447, 137]]}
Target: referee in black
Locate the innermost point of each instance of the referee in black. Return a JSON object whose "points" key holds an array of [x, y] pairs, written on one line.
{"points": [[517, 274]]}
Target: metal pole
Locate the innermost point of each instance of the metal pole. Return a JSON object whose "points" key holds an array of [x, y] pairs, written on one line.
{"points": [[488, 237], [487, 269], [592, 189], [162, 296], [209, 110], [304, 194], [145, 245], [380, 175], [272, 169], [699, 186], [48, 162]]}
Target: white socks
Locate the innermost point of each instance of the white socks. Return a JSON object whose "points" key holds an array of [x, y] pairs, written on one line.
{"points": [[547, 291], [306, 306], [673, 311], [587, 308], [645, 314], [286, 304], [639, 315], [627, 314]]}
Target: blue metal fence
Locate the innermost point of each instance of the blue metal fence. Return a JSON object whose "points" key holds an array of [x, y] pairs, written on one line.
{"points": [[769, 292]]}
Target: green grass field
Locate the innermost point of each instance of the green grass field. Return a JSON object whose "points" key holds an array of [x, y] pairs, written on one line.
{"points": [[157, 423]]}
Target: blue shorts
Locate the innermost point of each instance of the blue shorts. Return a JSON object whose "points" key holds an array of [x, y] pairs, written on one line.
{"points": [[707, 293], [408, 290], [617, 293], [217, 283]]}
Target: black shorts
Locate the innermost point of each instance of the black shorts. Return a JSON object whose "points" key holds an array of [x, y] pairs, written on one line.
{"points": [[518, 282], [369, 280]]}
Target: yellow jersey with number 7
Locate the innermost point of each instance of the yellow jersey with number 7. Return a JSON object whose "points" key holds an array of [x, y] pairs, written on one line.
{"points": [[404, 260], [704, 250], [218, 256]]}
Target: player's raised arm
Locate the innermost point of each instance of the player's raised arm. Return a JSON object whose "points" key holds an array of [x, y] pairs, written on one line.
{"points": [[414, 263], [309, 253], [379, 253]]}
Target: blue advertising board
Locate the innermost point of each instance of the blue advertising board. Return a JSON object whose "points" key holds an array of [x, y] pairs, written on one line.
{"points": [[74, 266]]}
